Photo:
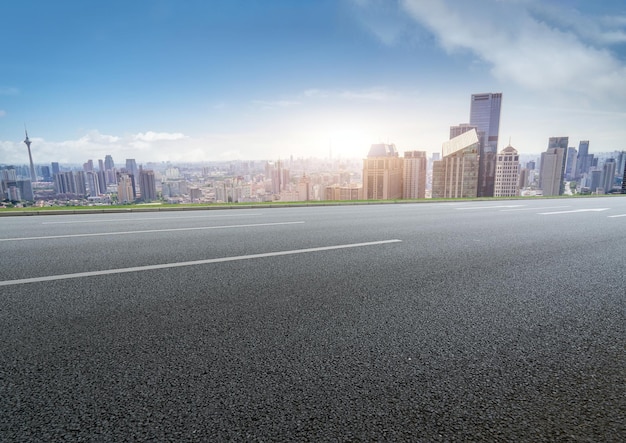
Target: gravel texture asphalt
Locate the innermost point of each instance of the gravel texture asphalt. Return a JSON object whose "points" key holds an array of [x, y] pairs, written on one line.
{"points": [[489, 321]]}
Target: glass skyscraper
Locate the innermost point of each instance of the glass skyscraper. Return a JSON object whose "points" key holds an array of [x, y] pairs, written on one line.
{"points": [[485, 116]]}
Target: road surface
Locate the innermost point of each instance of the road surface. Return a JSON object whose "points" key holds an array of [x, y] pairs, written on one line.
{"points": [[498, 320]]}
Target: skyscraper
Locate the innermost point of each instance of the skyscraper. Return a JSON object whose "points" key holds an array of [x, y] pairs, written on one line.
{"points": [[608, 175], [33, 175], [583, 159], [552, 169], [570, 163], [414, 174], [147, 185], [382, 173], [507, 173], [485, 116], [108, 163], [131, 167], [125, 188], [456, 175]]}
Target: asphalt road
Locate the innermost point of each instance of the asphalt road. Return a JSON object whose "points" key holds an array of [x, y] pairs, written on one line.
{"points": [[482, 321]]}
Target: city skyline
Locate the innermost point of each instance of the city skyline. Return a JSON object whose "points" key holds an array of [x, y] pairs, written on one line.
{"points": [[236, 80]]}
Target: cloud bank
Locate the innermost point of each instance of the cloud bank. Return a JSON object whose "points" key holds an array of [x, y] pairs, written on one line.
{"points": [[520, 44]]}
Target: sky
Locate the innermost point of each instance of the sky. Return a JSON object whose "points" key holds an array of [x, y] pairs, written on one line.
{"points": [[196, 80]]}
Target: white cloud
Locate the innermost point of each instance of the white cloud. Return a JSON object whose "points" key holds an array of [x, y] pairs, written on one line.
{"points": [[522, 49], [384, 19], [597, 30], [372, 94], [151, 136], [275, 104]]}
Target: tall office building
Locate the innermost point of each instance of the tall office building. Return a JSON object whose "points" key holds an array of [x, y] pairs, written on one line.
{"points": [[414, 174], [279, 176], [507, 173], [583, 159], [382, 173], [485, 116], [552, 168], [131, 167], [608, 175], [457, 130], [624, 180], [570, 163], [147, 185], [109, 164], [456, 174], [88, 166], [125, 188], [70, 182]]}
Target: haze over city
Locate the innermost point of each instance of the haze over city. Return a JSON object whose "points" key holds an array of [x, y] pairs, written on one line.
{"points": [[208, 81]]}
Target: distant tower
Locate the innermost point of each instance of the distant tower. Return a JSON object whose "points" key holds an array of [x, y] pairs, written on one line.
{"points": [[485, 116], [552, 168], [507, 173], [382, 173], [33, 176]]}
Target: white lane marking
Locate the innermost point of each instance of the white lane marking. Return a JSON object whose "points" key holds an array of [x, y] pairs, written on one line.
{"points": [[615, 216], [142, 219], [189, 263], [533, 209], [489, 207], [150, 231], [573, 211]]}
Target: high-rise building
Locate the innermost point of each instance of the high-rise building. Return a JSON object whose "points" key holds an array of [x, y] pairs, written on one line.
{"points": [[485, 116], [382, 173], [109, 164], [92, 181], [131, 167], [456, 174], [584, 160], [507, 173], [624, 180], [457, 130], [414, 174], [88, 166], [570, 163], [552, 168], [70, 182], [608, 175], [125, 188], [147, 185]]}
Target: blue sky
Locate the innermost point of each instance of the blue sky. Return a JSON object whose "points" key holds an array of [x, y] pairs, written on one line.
{"points": [[160, 80]]}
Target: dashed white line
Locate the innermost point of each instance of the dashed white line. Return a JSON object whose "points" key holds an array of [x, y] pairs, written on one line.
{"points": [[150, 231], [189, 263], [615, 216], [489, 207], [533, 209], [574, 211]]}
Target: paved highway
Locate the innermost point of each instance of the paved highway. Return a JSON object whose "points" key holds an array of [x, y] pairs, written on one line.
{"points": [[498, 320]]}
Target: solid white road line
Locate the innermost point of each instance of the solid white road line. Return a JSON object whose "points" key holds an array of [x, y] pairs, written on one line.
{"points": [[99, 234], [573, 211], [533, 209], [189, 263], [615, 216], [142, 219]]}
